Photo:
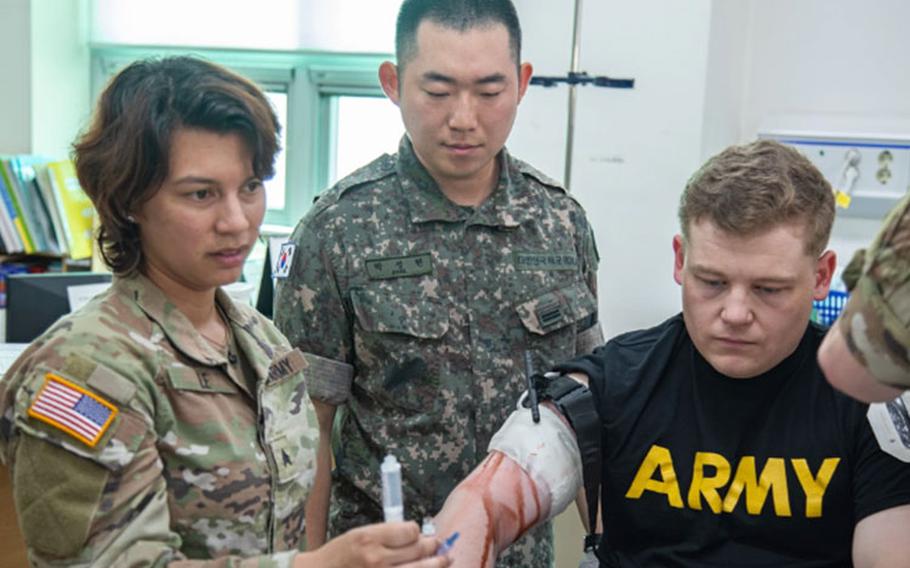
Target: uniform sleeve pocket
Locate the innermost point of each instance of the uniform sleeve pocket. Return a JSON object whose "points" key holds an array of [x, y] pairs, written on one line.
{"points": [[56, 495], [386, 313], [556, 309]]}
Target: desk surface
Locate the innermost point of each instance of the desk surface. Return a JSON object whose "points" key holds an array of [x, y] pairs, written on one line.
{"points": [[9, 352]]}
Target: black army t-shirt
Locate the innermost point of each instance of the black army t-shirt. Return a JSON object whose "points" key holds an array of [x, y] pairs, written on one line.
{"points": [[704, 470]]}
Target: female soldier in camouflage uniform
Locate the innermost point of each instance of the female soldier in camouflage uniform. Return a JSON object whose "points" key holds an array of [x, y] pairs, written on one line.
{"points": [[163, 422]]}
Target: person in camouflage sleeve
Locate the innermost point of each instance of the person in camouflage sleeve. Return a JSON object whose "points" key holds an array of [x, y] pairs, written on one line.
{"points": [[163, 424], [416, 285], [867, 352]]}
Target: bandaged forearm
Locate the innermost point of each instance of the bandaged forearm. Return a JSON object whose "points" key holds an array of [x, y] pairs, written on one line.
{"points": [[547, 451]]}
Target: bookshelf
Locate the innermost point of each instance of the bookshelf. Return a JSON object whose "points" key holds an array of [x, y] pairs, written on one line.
{"points": [[43, 210]]}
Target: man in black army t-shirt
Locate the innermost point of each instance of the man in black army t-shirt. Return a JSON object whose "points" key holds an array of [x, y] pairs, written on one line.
{"points": [[722, 444]]}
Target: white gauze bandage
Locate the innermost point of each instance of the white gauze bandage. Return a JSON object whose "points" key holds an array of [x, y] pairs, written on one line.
{"points": [[546, 451]]}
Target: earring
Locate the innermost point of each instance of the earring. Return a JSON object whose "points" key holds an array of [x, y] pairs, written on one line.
{"points": [[131, 219]]}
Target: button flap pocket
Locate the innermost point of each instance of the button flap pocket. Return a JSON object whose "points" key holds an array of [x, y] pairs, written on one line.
{"points": [[292, 460], [557, 309], [384, 312]]}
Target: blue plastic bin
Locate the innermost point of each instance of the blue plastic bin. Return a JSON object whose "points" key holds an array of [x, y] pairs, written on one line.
{"points": [[826, 311]]}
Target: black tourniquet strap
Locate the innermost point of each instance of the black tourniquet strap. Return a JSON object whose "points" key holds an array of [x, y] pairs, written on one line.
{"points": [[575, 401]]}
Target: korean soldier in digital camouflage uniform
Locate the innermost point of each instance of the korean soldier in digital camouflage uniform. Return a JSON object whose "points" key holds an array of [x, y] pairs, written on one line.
{"points": [[419, 282], [867, 351], [163, 424]]}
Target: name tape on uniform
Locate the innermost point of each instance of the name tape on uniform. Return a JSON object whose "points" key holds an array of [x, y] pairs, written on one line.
{"points": [[399, 266], [545, 261]]}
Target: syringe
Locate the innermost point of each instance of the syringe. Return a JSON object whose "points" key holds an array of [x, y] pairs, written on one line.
{"points": [[429, 529], [392, 504]]}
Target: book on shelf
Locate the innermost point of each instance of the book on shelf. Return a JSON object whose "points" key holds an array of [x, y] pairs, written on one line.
{"points": [[17, 214], [8, 233], [75, 208], [33, 205], [46, 188]]}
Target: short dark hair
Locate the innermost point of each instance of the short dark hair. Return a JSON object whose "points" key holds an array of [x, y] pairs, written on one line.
{"points": [[123, 157], [751, 188], [460, 15]]}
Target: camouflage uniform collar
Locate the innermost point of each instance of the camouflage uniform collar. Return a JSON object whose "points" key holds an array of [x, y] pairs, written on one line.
{"points": [[246, 336], [427, 203], [175, 325]]}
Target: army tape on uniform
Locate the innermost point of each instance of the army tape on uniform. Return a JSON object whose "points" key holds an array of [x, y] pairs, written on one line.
{"points": [[547, 451]]}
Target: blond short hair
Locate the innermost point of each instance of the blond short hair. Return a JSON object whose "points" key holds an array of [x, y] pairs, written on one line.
{"points": [[752, 188]]}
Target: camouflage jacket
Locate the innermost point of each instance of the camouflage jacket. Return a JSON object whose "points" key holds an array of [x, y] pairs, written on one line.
{"points": [[179, 451], [418, 312], [876, 320]]}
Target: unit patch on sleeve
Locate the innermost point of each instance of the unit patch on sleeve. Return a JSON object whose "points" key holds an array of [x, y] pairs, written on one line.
{"points": [[72, 409], [284, 260]]}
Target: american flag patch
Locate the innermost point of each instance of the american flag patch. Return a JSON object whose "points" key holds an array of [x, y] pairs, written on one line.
{"points": [[71, 408]]}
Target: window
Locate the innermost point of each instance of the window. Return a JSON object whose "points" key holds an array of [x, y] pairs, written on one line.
{"points": [[276, 187], [365, 127]]}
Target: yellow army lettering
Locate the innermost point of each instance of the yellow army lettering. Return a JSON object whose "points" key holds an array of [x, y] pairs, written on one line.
{"points": [[773, 478]]}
